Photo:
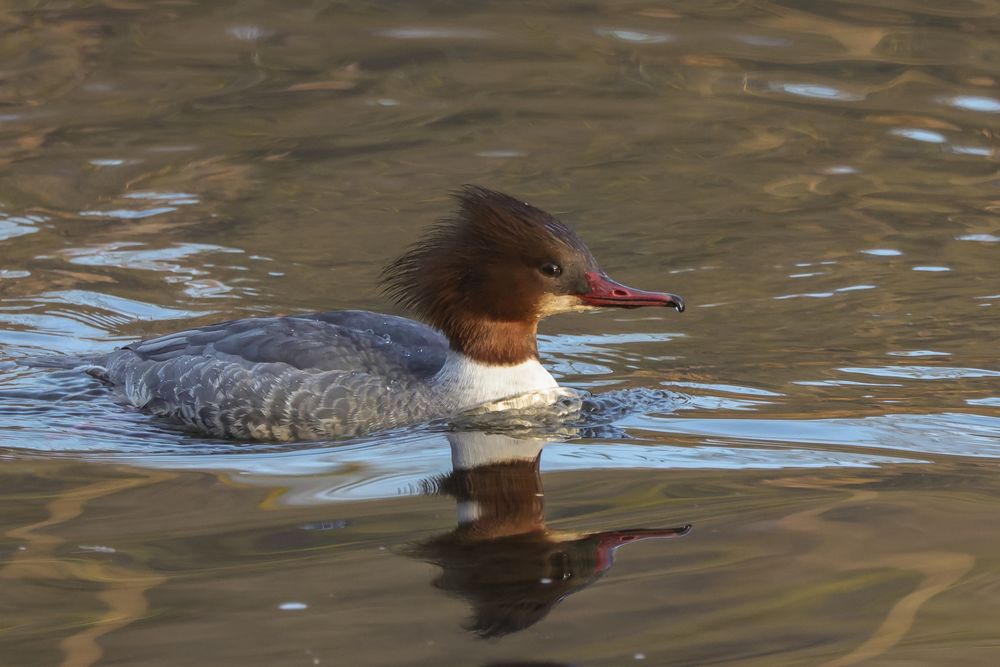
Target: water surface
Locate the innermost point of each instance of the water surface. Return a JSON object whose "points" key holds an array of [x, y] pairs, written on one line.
{"points": [[817, 179]]}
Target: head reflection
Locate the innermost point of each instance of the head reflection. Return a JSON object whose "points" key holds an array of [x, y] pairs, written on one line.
{"points": [[501, 557]]}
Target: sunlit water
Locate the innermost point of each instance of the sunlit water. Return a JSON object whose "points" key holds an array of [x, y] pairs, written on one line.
{"points": [[817, 179]]}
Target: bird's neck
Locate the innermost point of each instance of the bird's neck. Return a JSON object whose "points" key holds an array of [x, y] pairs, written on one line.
{"points": [[492, 342]]}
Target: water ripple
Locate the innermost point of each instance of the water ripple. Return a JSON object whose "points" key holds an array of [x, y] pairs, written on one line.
{"points": [[133, 255], [393, 468], [129, 214], [918, 134], [635, 36], [14, 226], [973, 103], [982, 238], [952, 434], [882, 252], [923, 372], [432, 33], [815, 91]]}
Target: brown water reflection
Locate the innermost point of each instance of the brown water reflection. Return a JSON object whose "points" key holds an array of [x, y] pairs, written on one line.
{"points": [[502, 558], [819, 567], [817, 178]]}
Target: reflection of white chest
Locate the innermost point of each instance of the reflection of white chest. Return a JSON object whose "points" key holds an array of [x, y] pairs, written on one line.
{"points": [[472, 449], [465, 383]]}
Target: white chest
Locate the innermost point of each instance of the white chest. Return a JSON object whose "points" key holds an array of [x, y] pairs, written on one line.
{"points": [[466, 383]]}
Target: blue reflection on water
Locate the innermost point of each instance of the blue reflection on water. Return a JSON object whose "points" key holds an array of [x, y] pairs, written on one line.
{"points": [[946, 433], [635, 36], [923, 372], [917, 134], [974, 103]]}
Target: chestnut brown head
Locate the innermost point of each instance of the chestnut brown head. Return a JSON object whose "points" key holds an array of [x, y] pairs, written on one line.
{"points": [[486, 275]]}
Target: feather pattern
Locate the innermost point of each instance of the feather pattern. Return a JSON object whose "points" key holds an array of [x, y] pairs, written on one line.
{"points": [[286, 378]]}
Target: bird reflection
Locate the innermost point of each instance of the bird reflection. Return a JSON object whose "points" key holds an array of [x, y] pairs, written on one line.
{"points": [[501, 557]]}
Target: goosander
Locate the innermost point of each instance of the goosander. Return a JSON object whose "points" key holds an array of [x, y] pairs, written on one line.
{"points": [[480, 280]]}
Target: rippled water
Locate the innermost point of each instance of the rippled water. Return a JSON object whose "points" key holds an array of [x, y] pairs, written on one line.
{"points": [[817, 179]]}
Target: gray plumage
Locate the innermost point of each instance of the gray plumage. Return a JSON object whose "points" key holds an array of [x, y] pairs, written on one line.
{"points": [[285, 378]]}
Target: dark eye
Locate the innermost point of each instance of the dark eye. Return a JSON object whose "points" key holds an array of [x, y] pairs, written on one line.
{"points": [[551, 269]]}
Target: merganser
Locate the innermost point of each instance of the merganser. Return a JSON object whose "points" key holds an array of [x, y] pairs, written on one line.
{"points": [[502, 557], [481, 280]]}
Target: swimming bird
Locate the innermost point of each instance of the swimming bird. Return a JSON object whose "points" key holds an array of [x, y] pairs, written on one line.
{"points": [[479, 281]]}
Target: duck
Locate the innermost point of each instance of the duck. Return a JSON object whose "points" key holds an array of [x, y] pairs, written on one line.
{"points": [[477, 283]]}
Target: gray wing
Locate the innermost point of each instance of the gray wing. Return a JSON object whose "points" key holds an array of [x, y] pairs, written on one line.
{"points": [[285, 378], [347, 340]]}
